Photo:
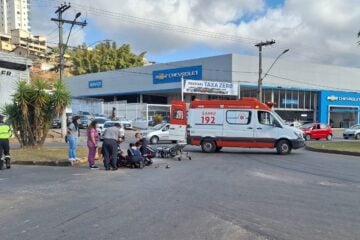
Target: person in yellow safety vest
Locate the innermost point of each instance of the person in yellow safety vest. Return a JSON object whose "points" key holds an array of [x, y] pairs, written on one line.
{"points": [[5, 134]]}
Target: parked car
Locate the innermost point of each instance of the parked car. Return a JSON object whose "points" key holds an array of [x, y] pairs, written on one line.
{"points": [[108, 124], [84, 121], [317, 131], [157, 133], [100, 121], [140, 123], [352, 132], [127, 124]]}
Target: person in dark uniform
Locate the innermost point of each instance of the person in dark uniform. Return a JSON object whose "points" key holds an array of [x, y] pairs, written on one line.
{"points": [[112, 137], [5, 134]]}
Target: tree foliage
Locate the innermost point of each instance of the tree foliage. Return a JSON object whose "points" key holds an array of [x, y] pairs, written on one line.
{"points": [[104, 57], [33, 108]]}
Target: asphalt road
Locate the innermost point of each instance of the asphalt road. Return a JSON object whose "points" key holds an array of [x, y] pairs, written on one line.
{"points": [[236, 194]]}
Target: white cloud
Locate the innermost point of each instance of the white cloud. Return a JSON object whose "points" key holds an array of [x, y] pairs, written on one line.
{"points": [[319, 31]]}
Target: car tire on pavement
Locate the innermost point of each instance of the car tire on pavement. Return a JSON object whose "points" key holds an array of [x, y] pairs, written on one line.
{"points": [[357, 136], [154, 139], [283, 147], [307, 137], [208, 146]]}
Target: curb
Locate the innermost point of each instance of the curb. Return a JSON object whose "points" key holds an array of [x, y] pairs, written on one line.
{"points": [[332, 151], [49, 163], [43, 163]]}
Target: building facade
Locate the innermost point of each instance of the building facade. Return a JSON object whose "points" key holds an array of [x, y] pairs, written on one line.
{"points": [[14, 14], [300, 91], [12, 70]]}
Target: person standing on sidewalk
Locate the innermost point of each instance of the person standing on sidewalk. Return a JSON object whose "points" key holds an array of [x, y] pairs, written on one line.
{"points": [[72, 136], [5, 134], [112, 137], [92, 140]]}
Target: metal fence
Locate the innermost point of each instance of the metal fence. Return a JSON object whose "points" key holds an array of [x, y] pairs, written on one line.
{"points": [[141, 114]]}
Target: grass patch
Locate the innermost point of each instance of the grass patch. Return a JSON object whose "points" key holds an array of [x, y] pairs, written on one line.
{"points": [[45, 154], [339, 146]]}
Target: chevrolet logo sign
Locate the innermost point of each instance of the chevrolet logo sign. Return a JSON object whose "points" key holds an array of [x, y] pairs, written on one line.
{"points": [[161, 76], [332, 98]]}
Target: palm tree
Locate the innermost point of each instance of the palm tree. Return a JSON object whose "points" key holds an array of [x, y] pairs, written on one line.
{"points": [[33, 108]]}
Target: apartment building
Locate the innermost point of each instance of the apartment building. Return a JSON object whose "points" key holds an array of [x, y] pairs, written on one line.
{"points": [[14, 14]]}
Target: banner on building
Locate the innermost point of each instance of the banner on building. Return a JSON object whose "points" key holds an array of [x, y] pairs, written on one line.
{"points": [[210, 87]]}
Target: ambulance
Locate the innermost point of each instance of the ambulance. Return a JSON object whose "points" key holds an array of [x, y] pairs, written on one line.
{"points": [[244, 123]]}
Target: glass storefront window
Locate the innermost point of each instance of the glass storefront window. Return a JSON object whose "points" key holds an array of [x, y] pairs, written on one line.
{"points": [[343, 117]]}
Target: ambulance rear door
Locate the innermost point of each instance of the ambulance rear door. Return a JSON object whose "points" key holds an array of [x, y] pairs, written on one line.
{"points": [[178, 121]]}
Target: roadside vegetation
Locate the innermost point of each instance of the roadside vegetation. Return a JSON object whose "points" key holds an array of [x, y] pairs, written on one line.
{"points": [[33, 107], [350, 146], [48, 154]]}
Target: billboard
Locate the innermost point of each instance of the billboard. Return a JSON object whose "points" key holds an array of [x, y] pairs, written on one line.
{"points": [[212, 88], [175, 74]]}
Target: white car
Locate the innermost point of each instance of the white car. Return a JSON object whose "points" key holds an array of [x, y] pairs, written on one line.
{"points": [[100, 121], [157, 133], [140, 123], [352, 132], [127, 124], [108, 124]]}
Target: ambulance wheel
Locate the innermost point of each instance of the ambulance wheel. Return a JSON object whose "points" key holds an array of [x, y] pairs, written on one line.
{"points": [[154, 139], [208, 146], [283, 147]]}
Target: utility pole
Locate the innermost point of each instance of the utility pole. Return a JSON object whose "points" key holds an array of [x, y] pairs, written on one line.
{"points": [[60, 21], [260, 45]]}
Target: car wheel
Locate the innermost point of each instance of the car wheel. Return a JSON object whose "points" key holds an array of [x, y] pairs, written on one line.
{"points": [[283, 147], [307, 137], [357, 136], [329, 137], [208, 146], [154, 139], [346, 138]]}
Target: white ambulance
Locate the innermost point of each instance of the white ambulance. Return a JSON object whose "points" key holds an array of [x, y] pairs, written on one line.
{"points": [[246, 123]]}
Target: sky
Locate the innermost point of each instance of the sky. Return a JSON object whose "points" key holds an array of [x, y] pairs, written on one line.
{"points": [[321, 31]]}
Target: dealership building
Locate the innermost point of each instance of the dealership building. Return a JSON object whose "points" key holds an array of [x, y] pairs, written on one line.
{"points": [[300, 91]]}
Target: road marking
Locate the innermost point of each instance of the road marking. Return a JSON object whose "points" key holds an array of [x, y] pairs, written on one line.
{"points": [[330, 184], [279, 178]]}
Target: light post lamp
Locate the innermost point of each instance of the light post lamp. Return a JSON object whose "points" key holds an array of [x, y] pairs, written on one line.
{"points": [[262, 78]]}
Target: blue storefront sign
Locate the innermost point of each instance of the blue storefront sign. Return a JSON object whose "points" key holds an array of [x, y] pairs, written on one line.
{"points": [[290, 101], [95, 84], [347, 104], [175, 74]]}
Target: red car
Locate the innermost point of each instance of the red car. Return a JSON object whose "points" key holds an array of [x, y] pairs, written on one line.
{"points": [[317, 131]]}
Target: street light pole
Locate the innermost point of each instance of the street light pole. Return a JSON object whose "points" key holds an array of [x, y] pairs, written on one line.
{"points": [[260, 45], [285, 51], [61, 9]]}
